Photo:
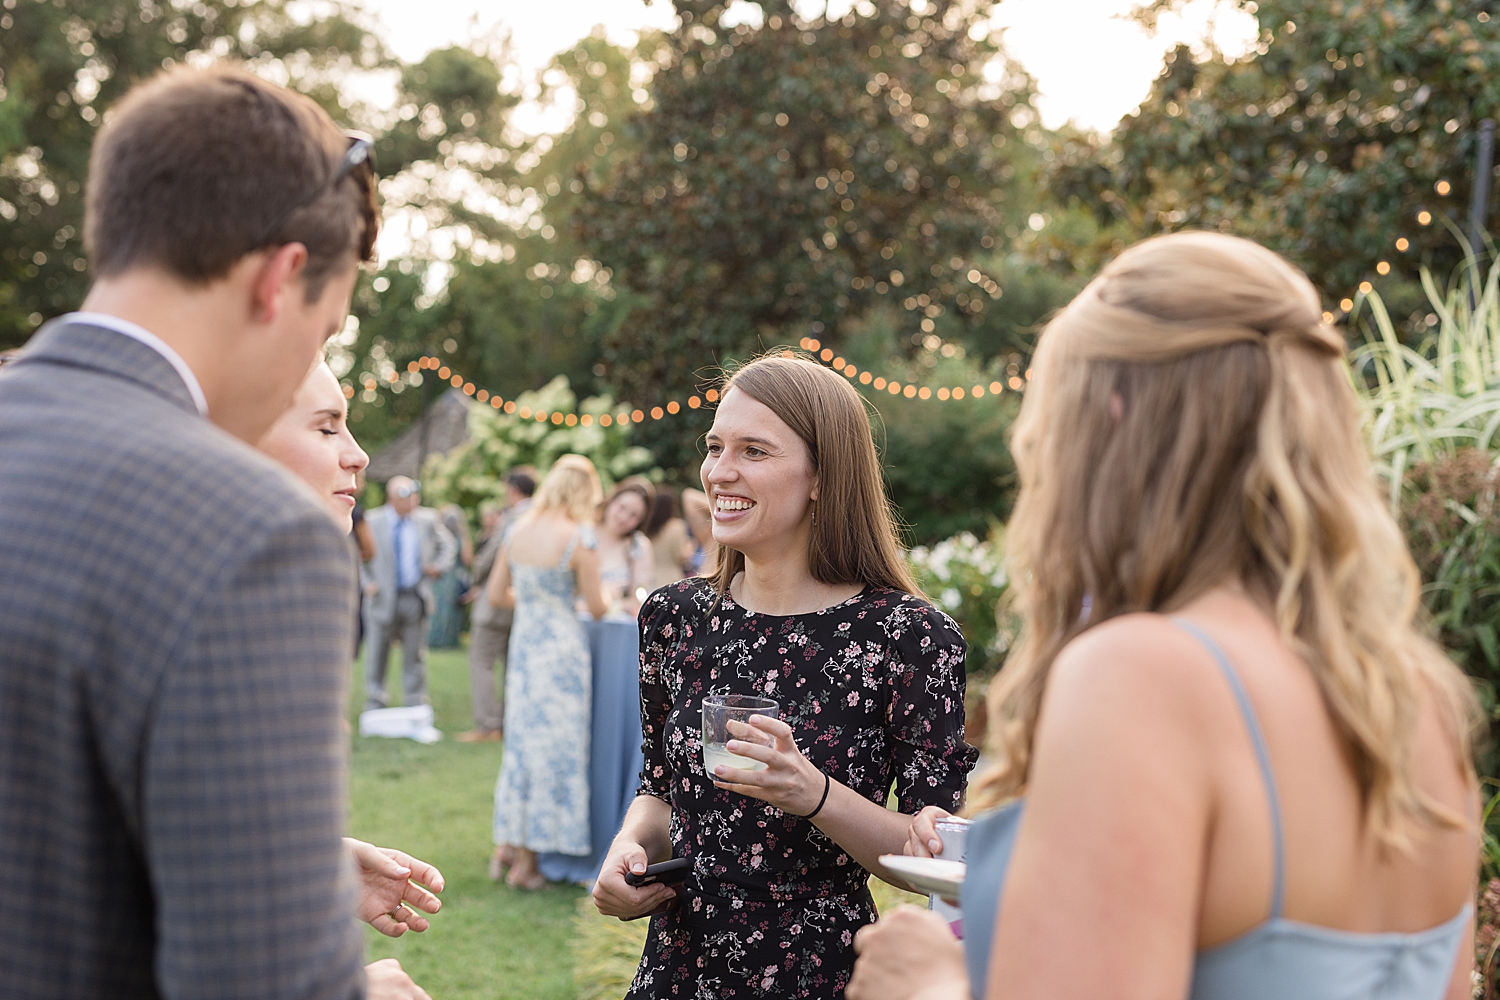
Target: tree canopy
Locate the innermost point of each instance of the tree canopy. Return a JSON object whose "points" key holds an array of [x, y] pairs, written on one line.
{"points": [[62, 65], [1341, 141], [787, 177]]}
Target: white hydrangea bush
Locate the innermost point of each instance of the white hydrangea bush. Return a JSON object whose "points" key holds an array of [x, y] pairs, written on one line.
{"points": [[965, 576]]}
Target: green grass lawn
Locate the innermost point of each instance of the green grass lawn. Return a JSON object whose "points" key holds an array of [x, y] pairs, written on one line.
{"points": [[434, 802]]}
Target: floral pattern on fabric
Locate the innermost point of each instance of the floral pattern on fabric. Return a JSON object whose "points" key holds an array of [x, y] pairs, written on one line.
{"points": [[542, 794], [873, 689]]}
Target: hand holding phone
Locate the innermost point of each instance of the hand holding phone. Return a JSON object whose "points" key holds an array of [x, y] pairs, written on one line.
{"points": [[674, 872], [669, 873]]}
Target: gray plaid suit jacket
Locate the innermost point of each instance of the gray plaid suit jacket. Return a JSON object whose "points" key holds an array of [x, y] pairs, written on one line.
{"points": [[175, 619]]}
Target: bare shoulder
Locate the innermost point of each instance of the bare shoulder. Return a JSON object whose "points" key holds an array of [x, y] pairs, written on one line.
{"points": [[1138, 651], [1136, 671]]}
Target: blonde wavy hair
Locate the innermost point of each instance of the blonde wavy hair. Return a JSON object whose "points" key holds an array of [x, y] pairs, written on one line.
{"points": [[572, 487], [1190, 421]]}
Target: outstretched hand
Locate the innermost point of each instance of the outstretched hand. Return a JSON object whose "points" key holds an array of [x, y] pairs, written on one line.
{"points": [[789, 782], [395, 889]]}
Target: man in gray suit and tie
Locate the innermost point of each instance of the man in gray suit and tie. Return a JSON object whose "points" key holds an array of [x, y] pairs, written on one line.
{"points": [[176, 610], [412, 548]]}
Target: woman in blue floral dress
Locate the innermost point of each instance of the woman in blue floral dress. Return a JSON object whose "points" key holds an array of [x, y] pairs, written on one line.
{"points": [[547, 559], [811, 606]]}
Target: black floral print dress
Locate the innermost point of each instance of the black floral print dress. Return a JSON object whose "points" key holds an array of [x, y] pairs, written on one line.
{"points": [[873, 689]]}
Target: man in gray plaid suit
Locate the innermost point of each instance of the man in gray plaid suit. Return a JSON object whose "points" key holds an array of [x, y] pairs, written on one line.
{"points": [[175, 610]]}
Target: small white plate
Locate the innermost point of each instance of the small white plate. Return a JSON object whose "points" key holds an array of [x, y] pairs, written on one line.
{"points": [[931, 875]]}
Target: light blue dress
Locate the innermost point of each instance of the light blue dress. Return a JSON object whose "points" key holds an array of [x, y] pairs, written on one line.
{"points": [[1280, 958], [542, 794]]}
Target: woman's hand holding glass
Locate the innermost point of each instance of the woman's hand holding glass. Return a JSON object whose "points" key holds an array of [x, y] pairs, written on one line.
{"points": [[909, 955], [789, 781]]}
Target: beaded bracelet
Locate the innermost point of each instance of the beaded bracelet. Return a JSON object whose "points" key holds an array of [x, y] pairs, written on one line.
{"points": [[827, 784]]}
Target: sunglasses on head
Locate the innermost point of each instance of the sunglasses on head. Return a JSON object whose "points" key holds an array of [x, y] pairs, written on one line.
{"points": [[360, 153]]}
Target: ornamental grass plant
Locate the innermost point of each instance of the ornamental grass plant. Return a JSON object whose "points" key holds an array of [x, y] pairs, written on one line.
{"points": [[1423, 401], [1432, 419]]}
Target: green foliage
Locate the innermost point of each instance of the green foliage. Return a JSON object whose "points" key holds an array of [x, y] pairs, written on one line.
{"points": [[63, 65], [507, 326], [947, 464], [498, 442], [1449, 514], [1431, 414], [966, 578], [1325, 144], [787, 178], [1424, 401], [519, 303]]}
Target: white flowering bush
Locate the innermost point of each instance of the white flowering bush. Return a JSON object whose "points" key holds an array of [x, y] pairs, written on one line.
{"points": [[965, 576]]}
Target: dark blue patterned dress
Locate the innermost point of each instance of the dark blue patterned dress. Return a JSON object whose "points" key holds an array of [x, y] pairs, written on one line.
{"points": [[873, 689]]}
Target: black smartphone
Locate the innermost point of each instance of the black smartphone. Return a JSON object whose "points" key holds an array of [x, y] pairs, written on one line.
{"points": [[674, 872]]}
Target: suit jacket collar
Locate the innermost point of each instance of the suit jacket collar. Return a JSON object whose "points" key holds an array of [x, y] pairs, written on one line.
{"points": [[97, 348]]}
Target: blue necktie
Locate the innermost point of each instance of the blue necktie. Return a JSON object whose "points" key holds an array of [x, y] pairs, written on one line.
{"points": [[396, 549]]}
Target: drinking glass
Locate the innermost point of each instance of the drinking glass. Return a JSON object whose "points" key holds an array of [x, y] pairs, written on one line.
{"points": [[718, 711]]}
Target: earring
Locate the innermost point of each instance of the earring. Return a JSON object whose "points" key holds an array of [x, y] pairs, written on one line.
{"points": [[814, 511]]}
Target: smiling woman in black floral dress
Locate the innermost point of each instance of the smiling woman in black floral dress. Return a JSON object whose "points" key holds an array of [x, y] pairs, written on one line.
{"points": [[811, 605]]}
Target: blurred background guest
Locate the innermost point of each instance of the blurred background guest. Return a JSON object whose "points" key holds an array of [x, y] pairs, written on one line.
{"points": [[626, 566], [626, 573], [363, 544], [490, 512], [412, 548], [671, 547], [699, 517], [359, 533], [547, 558], [448, 590], [489, 626]]}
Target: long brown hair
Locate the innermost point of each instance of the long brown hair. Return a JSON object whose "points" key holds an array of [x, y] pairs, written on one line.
{"points": [[854, 538], [1191, 422]]}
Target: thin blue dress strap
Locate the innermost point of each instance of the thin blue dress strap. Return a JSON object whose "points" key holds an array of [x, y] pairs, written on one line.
{"points": [[583, 535], [1262, 756]]}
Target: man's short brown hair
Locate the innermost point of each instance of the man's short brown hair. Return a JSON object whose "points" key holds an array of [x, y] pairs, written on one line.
{"points": [[192, 169]]}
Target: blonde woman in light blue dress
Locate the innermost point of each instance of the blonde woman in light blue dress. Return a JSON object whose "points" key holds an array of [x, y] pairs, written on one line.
{"points": [[549, 558]]}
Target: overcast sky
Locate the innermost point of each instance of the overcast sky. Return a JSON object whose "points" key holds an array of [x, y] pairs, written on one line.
{"points": [[1091, 65]]}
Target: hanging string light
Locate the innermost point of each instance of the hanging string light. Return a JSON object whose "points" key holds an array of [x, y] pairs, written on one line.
{"points": [[896, 387], [627, 414], [623, 415]]}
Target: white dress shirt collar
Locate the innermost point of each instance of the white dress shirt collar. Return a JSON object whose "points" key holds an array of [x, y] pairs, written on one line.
{"points": [[139, 333]]}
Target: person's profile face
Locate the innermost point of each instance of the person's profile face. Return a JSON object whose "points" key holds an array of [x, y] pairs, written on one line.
{"points": [[624, 514], [312, 439], [757, 473]]}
